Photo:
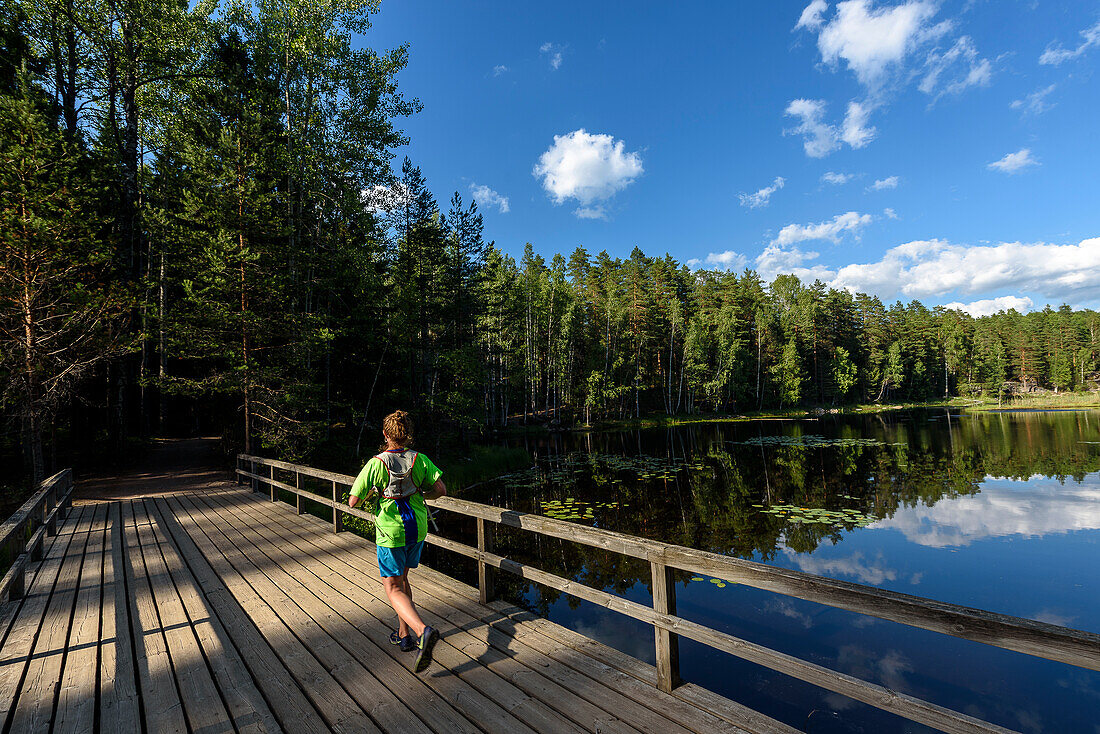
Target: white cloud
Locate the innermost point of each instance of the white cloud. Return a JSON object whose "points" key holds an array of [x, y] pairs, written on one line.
{"points": [[1014, 162], [728, 260], [832, 229], [1034, 103], [776, 260], [989, 306], [589, 168], [943, 72], [885, 47], [761, 197], [890, 213], [875, 41], [819, 138], [1055, 55], [591, 212], [855, 131], [837, 179], [925, 268], [882, 184], [931, 269], [499, 69], [553, 53], [487, 197], [812, 16]]}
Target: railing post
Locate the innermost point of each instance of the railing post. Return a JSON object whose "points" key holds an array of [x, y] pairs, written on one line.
{"points": [[69, 488], [252, 480], [15, 548], [47, 506], [484, 570], [272, 483], [337, 516], [297, 497], [667, 643]]}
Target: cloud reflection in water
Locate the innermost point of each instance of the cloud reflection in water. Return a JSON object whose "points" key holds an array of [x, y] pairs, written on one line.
{"points": [[1003, 507]]}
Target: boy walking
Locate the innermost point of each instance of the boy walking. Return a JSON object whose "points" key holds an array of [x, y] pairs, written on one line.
{"points": [[402, 479]]}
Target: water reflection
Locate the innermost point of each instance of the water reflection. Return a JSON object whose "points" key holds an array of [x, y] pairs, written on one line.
{"points": [[996, 511], [1030, 508]]}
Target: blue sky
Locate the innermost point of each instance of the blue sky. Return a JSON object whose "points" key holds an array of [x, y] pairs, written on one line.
{"points": [[943, 151]]}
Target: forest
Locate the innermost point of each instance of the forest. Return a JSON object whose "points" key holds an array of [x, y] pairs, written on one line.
{"points": [[204, 230]]}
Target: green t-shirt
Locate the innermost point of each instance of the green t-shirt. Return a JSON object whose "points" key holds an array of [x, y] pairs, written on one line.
{"points": [[398, 522]]}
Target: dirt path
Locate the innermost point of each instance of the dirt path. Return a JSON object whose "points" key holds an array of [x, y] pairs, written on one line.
{"points": [[170, 466]]}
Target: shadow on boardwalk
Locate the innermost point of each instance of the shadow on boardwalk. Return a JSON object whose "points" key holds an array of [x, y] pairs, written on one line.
{"points": [[170, 465]]}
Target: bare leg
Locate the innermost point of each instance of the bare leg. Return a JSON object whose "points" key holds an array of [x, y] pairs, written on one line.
{"points": [[399, 592]]}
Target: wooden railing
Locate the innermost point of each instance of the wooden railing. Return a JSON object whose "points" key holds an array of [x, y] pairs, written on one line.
{"points": [[23, 534], [1038, 639]]}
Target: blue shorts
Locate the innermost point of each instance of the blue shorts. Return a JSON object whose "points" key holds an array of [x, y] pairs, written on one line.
{"points": [[395, 561]]}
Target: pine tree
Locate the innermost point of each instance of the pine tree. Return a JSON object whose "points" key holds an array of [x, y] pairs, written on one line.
{"points": [[61, 311]]}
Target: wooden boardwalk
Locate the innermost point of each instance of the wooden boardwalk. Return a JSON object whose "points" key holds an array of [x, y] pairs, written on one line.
{"points": [[219, 611]]}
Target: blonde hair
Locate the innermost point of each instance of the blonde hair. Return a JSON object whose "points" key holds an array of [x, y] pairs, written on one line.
{"points": [[398, 426]]}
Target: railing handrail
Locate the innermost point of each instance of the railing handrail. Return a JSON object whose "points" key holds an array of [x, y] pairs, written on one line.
{"points": [[23, 534], [1031, 637]]}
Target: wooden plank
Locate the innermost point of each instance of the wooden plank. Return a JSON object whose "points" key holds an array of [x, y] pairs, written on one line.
{"points": [[280, 689], [27, 620], [592, 706], [617, 669], [249, 711], [691, 704], [493, 680], [77, 698], [332, 701], [666, 643], [35, 706], [702, 710], [202, 704], [368, 639], [120, 705], [377, 681], [162, 709]]}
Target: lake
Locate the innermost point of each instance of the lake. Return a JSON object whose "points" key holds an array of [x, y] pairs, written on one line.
{"points": [[999, 511]]}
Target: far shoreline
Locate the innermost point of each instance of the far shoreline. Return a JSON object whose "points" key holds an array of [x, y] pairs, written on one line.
{"points": [[1052, 402]]}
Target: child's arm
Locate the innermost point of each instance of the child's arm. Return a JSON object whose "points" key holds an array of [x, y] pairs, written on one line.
{"points": [[363, 488], [438, 490]]}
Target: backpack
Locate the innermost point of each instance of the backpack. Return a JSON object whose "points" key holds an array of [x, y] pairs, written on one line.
{"points": [[399, 466]]}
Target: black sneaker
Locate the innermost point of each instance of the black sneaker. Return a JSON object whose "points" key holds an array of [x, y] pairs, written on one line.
{"points": [[427, 642], [405, 644]]}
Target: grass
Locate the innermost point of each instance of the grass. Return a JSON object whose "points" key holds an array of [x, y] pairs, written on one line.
{"points": [[1022, 402], [1041, 401]]}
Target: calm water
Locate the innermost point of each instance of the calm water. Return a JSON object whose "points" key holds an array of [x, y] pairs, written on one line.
{"points": [[996, 511]]}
